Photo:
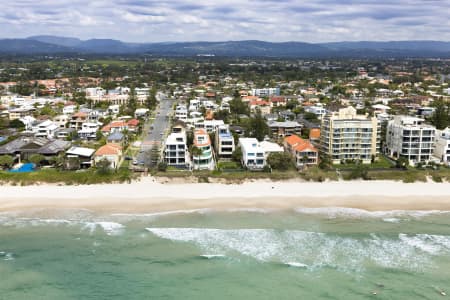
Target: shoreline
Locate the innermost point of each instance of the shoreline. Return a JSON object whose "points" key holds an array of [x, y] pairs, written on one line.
{"points": [[150, 196]]}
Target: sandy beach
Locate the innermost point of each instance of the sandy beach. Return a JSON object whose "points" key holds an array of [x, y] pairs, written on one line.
{"points": [[149, 195]]}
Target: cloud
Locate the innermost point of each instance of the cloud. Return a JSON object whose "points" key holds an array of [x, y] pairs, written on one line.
{"points": [[215, 20]]}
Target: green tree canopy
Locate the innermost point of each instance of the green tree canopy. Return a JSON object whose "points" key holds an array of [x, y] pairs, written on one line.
{"points": [[281, 161], [6, 161]]}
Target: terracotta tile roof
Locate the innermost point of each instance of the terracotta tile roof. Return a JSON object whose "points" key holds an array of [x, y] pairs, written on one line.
{"points": [[109, 149], [278, 99], [250, 98], [298, 144], [201, 132], [314, 133], [80, 114], [133, 122], [259, 103]]}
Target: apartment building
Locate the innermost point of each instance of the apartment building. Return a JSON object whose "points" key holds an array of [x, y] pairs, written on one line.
{"points": [[253, 156], [286, 128], [176, 153], [224, 142], [345, 135], [442, 145], [266, 92], [410, 138]]}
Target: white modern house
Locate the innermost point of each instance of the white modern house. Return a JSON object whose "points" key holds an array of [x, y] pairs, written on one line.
{"points": [[89, 130], [176, 153], [181, 113], [317, 109], [45, 129], [410, 138], [204, 160], [212, 125], [253, 155], [442, 146], [224, 142], [69, 109]]}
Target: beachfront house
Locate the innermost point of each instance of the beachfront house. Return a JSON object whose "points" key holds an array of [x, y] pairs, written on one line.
{"points": [[304, 153], [253, 156], [224, 142], [110, 152], [24, 147], [78, 157], [442, 146], [203, 159], [176, 153]]}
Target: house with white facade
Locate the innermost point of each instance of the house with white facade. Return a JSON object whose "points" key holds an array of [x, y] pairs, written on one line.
{"points": [[45, 129], [410, 138], [253, 156], [442, 146], [181, 113], [89, 130], [176, 153]]}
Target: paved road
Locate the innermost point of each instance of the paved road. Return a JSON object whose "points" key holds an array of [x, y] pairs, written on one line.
{"points": [[157, 132]]}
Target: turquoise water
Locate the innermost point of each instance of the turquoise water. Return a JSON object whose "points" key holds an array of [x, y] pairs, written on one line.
{"points": [[253, 254]]}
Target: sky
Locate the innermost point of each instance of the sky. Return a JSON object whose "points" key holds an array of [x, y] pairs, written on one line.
{"points": [[213, 20]]}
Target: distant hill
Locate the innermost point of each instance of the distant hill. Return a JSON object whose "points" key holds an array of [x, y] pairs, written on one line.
{"points": [[30, 47], [46, 44], [57, 40]]}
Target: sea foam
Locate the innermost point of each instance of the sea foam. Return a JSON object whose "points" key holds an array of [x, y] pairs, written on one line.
{"points": [[315, 249], [393, 216]]}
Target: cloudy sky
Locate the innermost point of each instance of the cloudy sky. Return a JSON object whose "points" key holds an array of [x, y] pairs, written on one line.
{"points": [[214, 20]]}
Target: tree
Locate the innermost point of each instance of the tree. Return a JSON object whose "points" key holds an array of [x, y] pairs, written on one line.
{"points": [[257, 127], [195, 151], [237, 155], [36, 159], [6, 161], [281, 161], [17, 124], [401, 163], [441, 116], [103, 166], [151, 101], [48, 110], [162, 167], [238, 107]]}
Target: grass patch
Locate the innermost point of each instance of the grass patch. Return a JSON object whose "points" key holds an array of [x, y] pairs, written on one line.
{"points": [[66, 177], [318, 175]]}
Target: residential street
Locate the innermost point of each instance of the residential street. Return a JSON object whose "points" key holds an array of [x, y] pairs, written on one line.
{"points": [[156, 132]]}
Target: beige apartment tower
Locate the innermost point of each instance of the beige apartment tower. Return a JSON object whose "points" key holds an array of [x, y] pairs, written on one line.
{"points": [[347, 136]]}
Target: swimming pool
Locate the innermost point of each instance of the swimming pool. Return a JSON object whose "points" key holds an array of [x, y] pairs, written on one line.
{"points": [[28, 167]]}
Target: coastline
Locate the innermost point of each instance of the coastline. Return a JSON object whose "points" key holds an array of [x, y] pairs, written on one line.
{"points": [[150, 196]]}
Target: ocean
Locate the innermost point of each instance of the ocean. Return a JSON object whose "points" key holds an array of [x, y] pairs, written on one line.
{"points": [[327, 253]]}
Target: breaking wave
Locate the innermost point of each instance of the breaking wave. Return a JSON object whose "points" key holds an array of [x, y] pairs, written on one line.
{"points": [[313, 249]]}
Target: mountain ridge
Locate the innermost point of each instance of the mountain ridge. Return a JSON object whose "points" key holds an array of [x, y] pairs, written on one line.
{"points": [[47, 44]]}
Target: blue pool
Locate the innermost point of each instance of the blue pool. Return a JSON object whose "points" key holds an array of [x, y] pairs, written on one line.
{"points": [[29, 167]]}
